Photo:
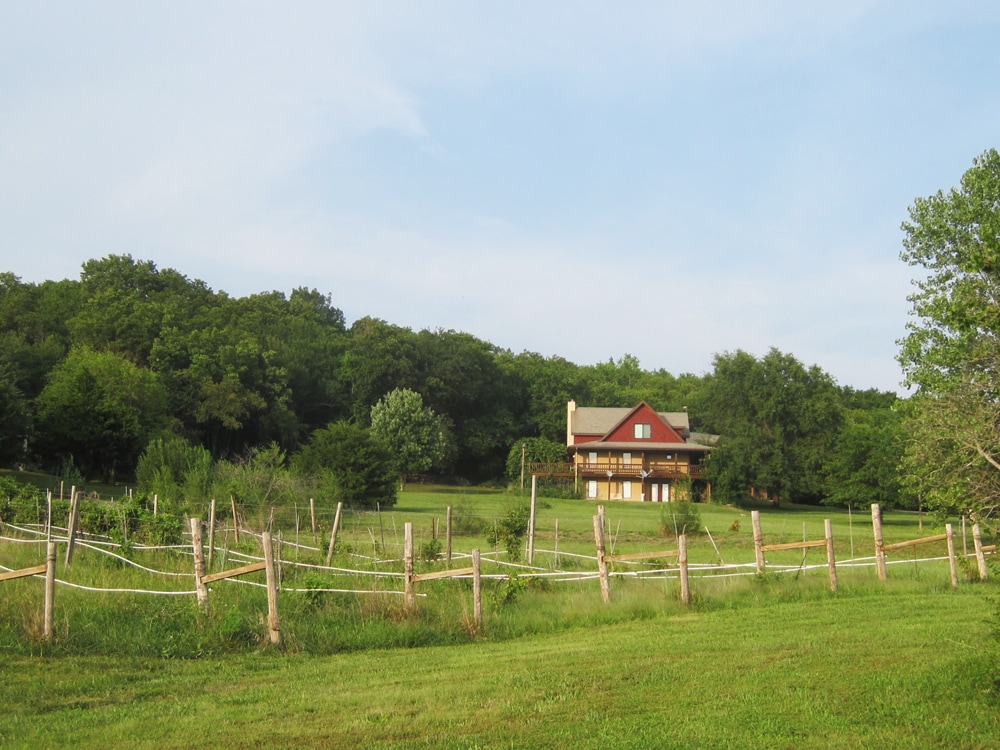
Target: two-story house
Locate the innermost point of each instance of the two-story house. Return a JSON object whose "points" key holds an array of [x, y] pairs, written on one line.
{"points": [[632, 453]]}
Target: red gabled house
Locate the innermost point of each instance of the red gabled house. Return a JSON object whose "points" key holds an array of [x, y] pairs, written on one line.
{"points": [[632, 453]]}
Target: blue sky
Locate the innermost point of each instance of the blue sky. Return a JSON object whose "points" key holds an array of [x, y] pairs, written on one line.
{"points": [[578, 179]]}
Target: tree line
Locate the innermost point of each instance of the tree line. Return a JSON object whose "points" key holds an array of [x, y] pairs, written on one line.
{"points": [[94, 371]]}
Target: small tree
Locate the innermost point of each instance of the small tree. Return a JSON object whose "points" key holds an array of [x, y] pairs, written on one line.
{"points": [[416, 437], [344, 463]]}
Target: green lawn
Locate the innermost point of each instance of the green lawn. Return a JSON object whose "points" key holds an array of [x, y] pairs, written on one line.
{"points": [[767, 662], [898, 668]]}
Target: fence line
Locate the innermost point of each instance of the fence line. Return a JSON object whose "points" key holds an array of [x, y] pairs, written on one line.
{"points": [[100, 544]]}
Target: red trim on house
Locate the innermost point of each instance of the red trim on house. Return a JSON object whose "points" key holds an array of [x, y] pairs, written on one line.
{"points": [[624, 431]]}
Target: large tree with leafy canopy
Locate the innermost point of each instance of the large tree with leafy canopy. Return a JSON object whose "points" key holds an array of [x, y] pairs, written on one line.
{"points": [[778, 420], [101, 409], [414, 435], [951, 353]]}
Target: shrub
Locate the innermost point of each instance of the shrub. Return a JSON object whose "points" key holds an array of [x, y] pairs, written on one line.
{"points": [[680, 518], [509, 531]]}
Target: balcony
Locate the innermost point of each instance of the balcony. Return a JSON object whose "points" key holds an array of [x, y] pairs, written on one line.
{"points": [[610, 469]]}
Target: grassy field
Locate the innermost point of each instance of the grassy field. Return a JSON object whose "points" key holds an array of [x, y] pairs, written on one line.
{"points": [[902, 668], [777, 661]]}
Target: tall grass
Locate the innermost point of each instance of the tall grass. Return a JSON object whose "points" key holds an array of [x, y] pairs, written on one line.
{"points": [[324, 623]]}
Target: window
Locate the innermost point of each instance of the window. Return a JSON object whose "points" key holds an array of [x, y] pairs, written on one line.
{"points": [[626, 490], [592, 488], [643, 431]]}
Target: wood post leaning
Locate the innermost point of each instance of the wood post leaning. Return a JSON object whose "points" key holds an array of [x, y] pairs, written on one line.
{"points": [[273, 626], [831, 558], [682, 557], [410, 597], [758, 541], [48, 612], [477, 590], [211, 534], [952, 563], [199, 564], [879, 541], [333, 534], [74, 514], [531, 520], [977, 538], [602, 563]]}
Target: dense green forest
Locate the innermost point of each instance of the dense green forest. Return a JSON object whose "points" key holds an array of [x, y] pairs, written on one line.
{"points": [[131, 359]]}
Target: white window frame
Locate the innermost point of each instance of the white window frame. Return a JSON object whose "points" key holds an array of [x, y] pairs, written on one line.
{"points": [[642, 431]]}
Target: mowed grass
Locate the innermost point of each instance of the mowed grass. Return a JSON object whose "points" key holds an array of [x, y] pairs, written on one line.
{"points": [[777, 661], [899, 667]]}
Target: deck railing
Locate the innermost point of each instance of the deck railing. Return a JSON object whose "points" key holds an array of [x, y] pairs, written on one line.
{"points": [[613, 469]]}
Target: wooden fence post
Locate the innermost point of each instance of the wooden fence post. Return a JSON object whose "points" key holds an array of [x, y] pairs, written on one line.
{"points": [[977, 538], [199, 564], [952, 562], [477, 590], [758, 540], [531, 520], [682, 548], [602, 564], [273, 626], [447, 550], [312, 517], [408, 565], [831, 558], [556, 550], [879, 542], [211, 533], [333, 534], [48, 611], [71, 535]]}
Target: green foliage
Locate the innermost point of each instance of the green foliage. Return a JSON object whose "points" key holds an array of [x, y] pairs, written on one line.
{"points": [[680, 517], [532, 450], [464, 521], [952, 349], [19, 503], [260, 480], [508, 531], [778, 421], [344, 463], [430, 550], [863, 467], [176, 471], [100, 408], [414, 436]]}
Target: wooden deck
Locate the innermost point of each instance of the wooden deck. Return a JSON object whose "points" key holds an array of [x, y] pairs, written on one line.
{"points": [[610, 470]]}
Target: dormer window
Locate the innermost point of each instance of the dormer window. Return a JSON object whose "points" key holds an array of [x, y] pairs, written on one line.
{"points": [[643, 431]]}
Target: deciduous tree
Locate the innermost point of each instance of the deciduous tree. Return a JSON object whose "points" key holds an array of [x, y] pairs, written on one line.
{"points": [[951, 353], [416, 437]]}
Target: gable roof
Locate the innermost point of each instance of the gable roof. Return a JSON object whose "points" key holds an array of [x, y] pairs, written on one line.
{"points": [[597, 427], [601, 420]]}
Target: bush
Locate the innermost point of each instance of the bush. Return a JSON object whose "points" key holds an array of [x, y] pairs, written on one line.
{"points": [[509, 531], [680, 518]]}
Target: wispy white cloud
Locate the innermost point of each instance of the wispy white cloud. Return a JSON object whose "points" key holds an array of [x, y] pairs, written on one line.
{"points": [[664, 179]]}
